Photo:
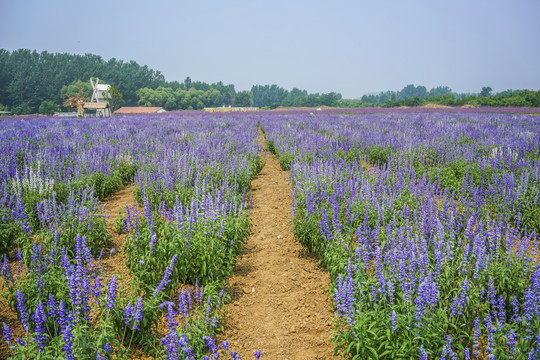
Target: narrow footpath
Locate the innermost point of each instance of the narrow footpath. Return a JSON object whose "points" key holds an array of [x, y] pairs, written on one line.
{"points": [[114, 261], [280, 302]]}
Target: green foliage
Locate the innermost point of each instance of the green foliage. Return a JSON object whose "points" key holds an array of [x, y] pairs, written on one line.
{"points": [[271, 146], [48, 107], [285, 160], [9, 232], [243, 99], [443, 95], [22, 109], [273, 96], [486, 91], [119, 222], [115, 98], [179, 99], [378, 155], [206, 252], [75, 88]]}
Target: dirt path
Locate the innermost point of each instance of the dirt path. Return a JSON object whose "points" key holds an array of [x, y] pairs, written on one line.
{"points": [[114, 261], [280, 302]]}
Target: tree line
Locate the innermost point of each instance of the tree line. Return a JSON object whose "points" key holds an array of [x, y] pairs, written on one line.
{"points": [[412, 95], [28, 78], [273, 96], [32, 81]]}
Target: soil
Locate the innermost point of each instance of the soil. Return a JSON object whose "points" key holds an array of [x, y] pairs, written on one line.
{"points": [[280, 303], [114, 261]]}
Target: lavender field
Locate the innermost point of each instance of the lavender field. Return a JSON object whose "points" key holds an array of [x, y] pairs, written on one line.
{"points": [[190, 177], [427, 223]]}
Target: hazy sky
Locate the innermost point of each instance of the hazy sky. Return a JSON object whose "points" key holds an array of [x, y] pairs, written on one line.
{"points": [[352, 47]]}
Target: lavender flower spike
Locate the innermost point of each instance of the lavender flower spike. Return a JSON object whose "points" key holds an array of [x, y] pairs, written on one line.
{"points": [[111, 293], [21, 306], [166, 275], [7, 334]]}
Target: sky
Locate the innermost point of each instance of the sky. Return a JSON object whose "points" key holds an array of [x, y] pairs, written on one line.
{"points": [[350, 47]]}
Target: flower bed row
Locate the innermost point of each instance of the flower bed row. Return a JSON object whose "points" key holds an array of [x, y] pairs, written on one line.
{"points": [[428, 225], [191, 175]]}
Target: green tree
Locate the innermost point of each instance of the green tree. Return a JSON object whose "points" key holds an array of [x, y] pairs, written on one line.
{"points": [[48, 107], [243, 99], [410, 91], [75, 88], [114, 97], [22, 109], [440, 91], [486, 91]]}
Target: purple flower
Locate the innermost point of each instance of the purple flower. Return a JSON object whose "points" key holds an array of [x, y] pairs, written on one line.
{"points": [[460, 302], [210, 344], [257, 354], [7, 334], [21, 306], [62, 315], [344, 296], [467, 353], [137, 314], [515, 308], [6, 272], [96, 289], [422, 353], [530, 305], [511, 341], [166, 275], [183, 304], [68, 336], [128, 312], [51, 304], [447, 349], [428, 295], [111, 293], [501, 315], [490, 348], [107, 347], [476, 344], [225, 345], [20, 265], [40, 319], [183, 341], [393, 318]]}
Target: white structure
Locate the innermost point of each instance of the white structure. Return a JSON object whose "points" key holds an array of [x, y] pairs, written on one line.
{"points": [[99, 101]]}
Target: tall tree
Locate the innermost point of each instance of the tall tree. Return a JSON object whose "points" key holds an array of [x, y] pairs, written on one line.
{"points": [[486, 91], [243, 99]]}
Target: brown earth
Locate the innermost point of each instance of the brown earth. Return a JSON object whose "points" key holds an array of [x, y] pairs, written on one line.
{"points": [[114, 261], [280, 303]]}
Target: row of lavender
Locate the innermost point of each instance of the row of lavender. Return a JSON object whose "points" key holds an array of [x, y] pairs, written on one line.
{"points": [[190, 176], [428, 225]]}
